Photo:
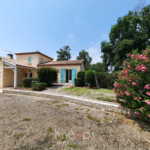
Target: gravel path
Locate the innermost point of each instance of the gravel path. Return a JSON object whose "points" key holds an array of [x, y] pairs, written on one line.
{"points": [[34, 123]]}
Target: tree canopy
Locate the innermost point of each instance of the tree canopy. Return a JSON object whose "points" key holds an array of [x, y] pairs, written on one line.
{"points": [[64, 53], [131, 32], [85, 56], [98, 67]]}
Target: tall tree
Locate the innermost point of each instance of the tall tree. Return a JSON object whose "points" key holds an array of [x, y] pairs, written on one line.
{"points": [[64, 53], [85, 56], [98, 67], [132, 31]]}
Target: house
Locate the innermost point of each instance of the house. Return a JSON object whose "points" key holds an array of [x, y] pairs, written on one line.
{"points": [[12, 71]]}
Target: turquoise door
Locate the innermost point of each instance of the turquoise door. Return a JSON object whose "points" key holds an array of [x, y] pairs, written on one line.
{"points": [[73, 74], [62, 80]]}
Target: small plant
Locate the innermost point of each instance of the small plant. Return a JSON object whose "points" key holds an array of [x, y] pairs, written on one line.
{"points": [[38, 86], [27, 82], [71, 145], [26, 119], [19, 135], [77, 112], [49, 130], [49, 145], [64, 137]]}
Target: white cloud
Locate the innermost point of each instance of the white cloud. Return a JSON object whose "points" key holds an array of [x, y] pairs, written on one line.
{"points": [[70, 35], [94, 52]]}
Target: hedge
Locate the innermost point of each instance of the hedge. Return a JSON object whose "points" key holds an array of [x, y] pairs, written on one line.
{"points": [[39, 86], [47, 75], [28, 81], [81, 74], [90, 77], [78, 82]]}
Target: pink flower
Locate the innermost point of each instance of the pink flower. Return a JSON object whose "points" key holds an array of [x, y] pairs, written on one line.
{"points": [[148, 93], [127, 93], [147, 86], [140, 98], [130, 80], [142, 108], [116, 84], [129, 66], [133, 83], [147, 102], [148, 115], [136, 98], [122, 107], [137, 113], [133, 92]]}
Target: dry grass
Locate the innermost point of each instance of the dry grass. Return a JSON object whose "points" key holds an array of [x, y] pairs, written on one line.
{"points": [[32, 123]]}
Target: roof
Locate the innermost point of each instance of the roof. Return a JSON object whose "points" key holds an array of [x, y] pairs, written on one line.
{"points": [[33, 53], [64, 62], [16, 62]]}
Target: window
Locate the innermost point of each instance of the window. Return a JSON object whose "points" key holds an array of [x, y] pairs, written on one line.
{"points": [[30, 74], [41, 60], [29, 60], [25, 74]]}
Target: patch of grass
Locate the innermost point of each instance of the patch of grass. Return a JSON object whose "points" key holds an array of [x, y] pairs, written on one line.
{"points": [[19, 135], [13, 113], [63, 137], [49, 145], [49, 130], [77, 112], [76, 108], [62, 105], [71, 145], [105, 119], [88, 110], [92, 118], [104, 98], [26, 119], [52, 102]]}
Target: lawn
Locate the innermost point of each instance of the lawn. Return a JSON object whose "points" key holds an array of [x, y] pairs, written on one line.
{"points": [[98, 94], [36, 123]]}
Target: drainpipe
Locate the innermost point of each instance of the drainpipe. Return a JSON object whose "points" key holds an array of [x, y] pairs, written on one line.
{"points": [[15, 77]]}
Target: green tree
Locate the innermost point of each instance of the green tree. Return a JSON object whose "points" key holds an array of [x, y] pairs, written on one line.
{"points": [[98, 67], [85, 56], [64, 53], [131, 31]]}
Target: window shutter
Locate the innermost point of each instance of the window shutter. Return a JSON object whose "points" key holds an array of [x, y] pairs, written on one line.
{"points": [[62, 75], [73, 74]]}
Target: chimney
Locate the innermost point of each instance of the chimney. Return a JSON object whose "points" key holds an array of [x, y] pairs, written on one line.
{"points": [[10, 56]]}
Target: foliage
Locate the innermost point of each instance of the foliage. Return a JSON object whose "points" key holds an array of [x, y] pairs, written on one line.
{"points": [[85, 56], [131, 31], [81, 74], [47, 74], [39, 86], [28, 81], [98, 67], [64, 53], [90, 77], [106, 80], [133, 85], [78, 82]]}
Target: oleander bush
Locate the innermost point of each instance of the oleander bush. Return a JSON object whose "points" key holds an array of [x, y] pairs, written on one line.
{"points": [[28, 81], [133, 83], [38, 86]]}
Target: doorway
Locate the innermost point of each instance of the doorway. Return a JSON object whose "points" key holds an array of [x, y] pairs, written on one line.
{"points": [[68, 75]]}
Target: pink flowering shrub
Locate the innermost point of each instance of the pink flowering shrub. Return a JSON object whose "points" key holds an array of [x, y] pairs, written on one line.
{"points": [[133, 84]]}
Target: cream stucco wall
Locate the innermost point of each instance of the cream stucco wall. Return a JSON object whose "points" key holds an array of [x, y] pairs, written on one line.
{"points": [[1, 73], [24, 58], [45, 59], [77, 67], [82, 67]]}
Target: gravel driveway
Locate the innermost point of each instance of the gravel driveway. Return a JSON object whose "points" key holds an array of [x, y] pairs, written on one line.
{"points": [[33, 123]]}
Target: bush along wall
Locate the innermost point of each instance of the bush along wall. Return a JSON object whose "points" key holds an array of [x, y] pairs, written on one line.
{"points": [[133, 84], [38, 86], [28, 81], [81, 75], [47, 74], [78, 82]]}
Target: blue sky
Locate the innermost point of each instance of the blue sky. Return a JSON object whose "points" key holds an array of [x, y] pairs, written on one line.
{"points": [[48, 25]]}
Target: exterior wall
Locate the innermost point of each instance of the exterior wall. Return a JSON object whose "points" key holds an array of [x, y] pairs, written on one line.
{"points": [[77, 67], [82, 67], [1, 74], [45, 59], [24, 58]]}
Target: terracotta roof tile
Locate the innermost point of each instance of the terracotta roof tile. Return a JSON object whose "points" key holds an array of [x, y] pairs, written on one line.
{"points": [[16, 62], [65, 62]]}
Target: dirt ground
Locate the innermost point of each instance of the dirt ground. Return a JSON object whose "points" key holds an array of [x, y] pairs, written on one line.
{"points": [[33, 123]]}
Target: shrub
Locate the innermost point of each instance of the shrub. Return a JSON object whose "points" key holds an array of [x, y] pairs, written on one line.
{"points": [[39, 86], [47, 74], [28, 81], [133, 85], [81, 74], [90, 77], [78, 82]]}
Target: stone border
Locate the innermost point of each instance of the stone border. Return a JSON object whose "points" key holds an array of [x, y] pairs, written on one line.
{"points": [[103, 106]]}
